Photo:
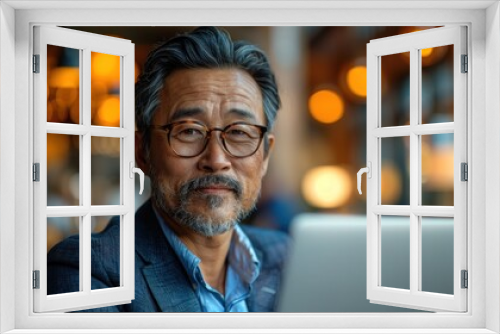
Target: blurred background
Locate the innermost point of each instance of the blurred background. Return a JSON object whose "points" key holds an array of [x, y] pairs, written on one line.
{"points": [[320, 130]]}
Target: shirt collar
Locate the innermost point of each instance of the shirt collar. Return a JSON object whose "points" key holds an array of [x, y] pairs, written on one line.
{"points": [[242, 256]]}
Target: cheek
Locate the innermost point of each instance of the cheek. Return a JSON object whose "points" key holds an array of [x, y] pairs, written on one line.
{"points": [[252, 180], [171, 172]]}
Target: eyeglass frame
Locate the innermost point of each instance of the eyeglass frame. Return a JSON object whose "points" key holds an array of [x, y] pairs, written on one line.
{"points": [[168, 128]]}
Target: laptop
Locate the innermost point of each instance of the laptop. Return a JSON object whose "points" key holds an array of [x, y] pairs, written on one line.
{"points": [[326, 269]]}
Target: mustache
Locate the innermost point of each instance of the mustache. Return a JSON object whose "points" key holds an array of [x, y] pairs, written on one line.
{"points": [[208, 181]]}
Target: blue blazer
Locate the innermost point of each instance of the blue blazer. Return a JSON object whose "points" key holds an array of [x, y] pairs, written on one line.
{"points": [[161, 283]]}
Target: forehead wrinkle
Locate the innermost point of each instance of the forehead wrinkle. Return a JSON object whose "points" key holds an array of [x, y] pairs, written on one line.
{"points": [[185, 112], [231, 89], [243, 113]]}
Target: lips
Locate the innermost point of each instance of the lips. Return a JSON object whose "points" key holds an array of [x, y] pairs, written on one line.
{"points": [[214, 189], [211, 185]]}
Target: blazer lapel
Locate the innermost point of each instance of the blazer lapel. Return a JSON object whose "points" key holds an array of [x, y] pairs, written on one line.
{"points": [[163, 271], [265, 288], [171, 288]]}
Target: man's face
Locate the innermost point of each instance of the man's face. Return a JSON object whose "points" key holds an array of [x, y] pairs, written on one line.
{"points": [[208, 193]]}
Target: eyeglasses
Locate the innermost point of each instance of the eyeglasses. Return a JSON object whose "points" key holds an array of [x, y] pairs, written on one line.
{"points": [[189, 138]]}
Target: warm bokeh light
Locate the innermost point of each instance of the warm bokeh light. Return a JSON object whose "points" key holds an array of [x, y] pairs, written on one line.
{"points": [[356, 80], [426, 52], [108, 113], [437, 167], [64, 77], [57, 148], [326, 106], [105, 68], [327, 186], [390, 183]]}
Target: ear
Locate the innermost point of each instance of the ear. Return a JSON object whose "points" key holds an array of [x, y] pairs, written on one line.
{"points": [[265, 163], [140, 154]]}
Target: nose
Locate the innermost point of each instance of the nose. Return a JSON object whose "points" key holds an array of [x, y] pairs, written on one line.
{"points": [[214, 158]]}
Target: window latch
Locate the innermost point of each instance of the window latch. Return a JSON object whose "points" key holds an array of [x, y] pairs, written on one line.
{"points": [[368, 171], [133, 170]]}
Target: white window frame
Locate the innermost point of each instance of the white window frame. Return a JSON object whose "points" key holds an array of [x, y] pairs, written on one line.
{"points": [[483, 20], [85, 43], [415, 210]]}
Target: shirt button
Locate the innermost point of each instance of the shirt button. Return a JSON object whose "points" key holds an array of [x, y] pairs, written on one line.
{"points": [[194, 286]]}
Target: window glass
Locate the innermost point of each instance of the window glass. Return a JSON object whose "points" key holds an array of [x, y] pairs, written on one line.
{"points": [[63, 85], [395, 171], [395, 251], [105, 167], [59, 229], [437, 169], [63, 170], [105, 89], [395, 89], [437, 84]]}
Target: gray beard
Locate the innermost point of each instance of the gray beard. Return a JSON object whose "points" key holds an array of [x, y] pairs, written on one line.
{"points": [[203, 225]]}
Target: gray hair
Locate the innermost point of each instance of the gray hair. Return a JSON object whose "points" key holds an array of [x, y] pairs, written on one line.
{"points": [[205, 47]]}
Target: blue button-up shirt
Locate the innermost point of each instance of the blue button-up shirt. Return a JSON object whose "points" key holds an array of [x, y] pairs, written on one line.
{"points": [[242, 271]]}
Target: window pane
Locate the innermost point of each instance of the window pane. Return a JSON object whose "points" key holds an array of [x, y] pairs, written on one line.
{"points": [[58, 229], [105, 89], [437, 84], [396, 90], [63, 169], [109, 277], [395, 251], [395, 179], [63, 84], [437, 169], [105, 171], [437, 254]]}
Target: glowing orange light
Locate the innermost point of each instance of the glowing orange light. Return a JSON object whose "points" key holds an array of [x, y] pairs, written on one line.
{"points": [[426, 52], [105, 67], [64, 77], [356, 80], [108, 113], [57, 148], [327, 186], [74, 113], [326, 106]]}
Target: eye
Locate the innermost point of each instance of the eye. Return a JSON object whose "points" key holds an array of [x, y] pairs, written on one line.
{"points": [[190, 132], [187, 133], [237, 132]]}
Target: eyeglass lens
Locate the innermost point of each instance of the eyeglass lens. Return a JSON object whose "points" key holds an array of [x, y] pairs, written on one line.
{"points": [[189, 139]]}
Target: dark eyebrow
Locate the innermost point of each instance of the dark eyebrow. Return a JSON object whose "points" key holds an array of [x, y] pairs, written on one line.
{"points": [[191, 112], [182, 113], [243, 113]]}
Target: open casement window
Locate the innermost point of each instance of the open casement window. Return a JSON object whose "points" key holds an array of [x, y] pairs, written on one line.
{"points": [[80, 155], [427, 141]]}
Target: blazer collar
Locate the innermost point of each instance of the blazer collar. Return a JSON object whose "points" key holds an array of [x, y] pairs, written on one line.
{"points": [[163, 271]]}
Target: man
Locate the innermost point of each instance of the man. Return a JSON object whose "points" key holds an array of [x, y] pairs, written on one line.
{"points": [[205, 106]]}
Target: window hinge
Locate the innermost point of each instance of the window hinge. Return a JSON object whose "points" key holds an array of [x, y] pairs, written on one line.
{"points": [[465, 279], [36, 63], [36, 279], [36, 172], [464, 172], [465, 64]]}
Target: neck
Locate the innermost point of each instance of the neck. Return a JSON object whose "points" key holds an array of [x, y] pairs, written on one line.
{"points": [[212, 252]]}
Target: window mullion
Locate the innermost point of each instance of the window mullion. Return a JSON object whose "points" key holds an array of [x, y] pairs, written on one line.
{"points": [[85, 165], [414, 170]]}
